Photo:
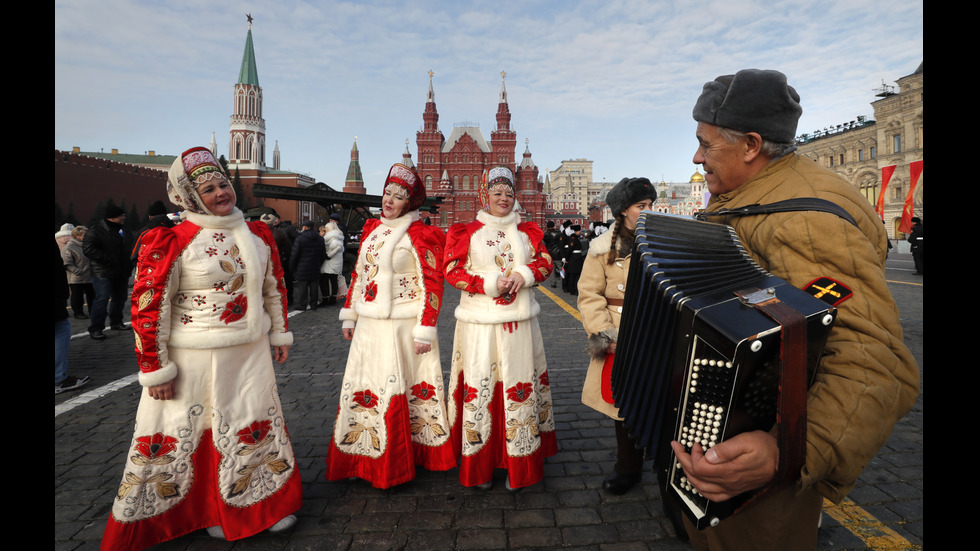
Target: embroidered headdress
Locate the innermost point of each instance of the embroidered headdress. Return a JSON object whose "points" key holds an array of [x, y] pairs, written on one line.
{"points": [[181, 180], [408, 180], [493, 177]]}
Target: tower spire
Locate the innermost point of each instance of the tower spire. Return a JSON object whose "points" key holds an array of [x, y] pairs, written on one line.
{"points": [[248, 74], [503, 140], [430, 117], [354, 182], [247, 128]]}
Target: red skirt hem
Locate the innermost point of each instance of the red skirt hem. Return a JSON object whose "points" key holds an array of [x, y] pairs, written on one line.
{"points": [[202, 507], [397, 464]]}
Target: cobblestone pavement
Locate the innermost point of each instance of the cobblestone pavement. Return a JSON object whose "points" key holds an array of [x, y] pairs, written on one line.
{"points": [[568, 510]]}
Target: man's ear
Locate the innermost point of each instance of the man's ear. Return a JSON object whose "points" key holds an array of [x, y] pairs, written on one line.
{"points": [[753, 146]]}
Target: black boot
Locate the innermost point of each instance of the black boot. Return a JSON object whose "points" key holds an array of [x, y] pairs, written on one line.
{"points": [[619, 484]]}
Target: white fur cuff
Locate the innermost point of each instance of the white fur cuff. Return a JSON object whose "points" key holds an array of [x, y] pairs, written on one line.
{"points": [[281, 339], [159, 376], [424, 333], [527, 274]]}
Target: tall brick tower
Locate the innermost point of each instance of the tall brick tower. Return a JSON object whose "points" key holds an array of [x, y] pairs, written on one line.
{"points": [[354, 183], [429, 141], [503, 140], [247, 141], [529, 191]]}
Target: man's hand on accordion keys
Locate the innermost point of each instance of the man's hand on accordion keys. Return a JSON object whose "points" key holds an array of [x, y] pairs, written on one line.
{"points": [[745, 462]]}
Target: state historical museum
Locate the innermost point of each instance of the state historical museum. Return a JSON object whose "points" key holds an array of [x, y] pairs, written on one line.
{"points": [[451, 168]]}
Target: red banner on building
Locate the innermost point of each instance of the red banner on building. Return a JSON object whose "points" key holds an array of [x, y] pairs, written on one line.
{"points": [[886, 176], [915, 170]]}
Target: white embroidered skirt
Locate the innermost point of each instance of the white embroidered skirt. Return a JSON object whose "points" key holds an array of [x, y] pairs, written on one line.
{"points": [[218, 454], [501, 409], [392, 412]]}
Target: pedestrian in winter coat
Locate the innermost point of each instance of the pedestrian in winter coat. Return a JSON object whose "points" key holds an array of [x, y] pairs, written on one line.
{"points": [[309, 252], [333, 240], [79, 273]]}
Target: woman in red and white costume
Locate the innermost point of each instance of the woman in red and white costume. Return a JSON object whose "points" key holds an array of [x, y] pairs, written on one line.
{"points": [[392, 411], [502, 409], [210, 448]]}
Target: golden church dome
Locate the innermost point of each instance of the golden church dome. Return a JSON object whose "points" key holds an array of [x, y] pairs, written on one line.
{"points": [[697, 178]]}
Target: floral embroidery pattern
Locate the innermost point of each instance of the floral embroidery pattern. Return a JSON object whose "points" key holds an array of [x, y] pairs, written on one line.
{"points": [[424, 408], [371, 266], [519, 392], [252, 438], [254, 433], [230, 279], [364, 401], [424, 391], [407, 288], [235, 310], [370, 291], [156, 449], [469, 394]]}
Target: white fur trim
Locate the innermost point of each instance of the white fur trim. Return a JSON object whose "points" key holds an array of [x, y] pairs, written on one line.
{"points": [[159, 376], [348, 314], [490, 284], [527, 274], [425, 333], [281, 339], [601, 245]]}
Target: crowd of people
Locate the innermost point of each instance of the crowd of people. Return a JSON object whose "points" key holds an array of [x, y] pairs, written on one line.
{"points": [[209, 312]]}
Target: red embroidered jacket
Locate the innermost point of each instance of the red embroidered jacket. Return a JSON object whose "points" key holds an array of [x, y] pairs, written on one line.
{"points": [[376, 291], [215, 260], [479, 252]]}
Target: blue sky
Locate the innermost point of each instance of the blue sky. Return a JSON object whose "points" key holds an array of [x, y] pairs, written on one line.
{"points": [[613, 81]]}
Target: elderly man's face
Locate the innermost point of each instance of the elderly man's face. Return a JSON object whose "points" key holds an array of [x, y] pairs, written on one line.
{"points": [[724, 163]]}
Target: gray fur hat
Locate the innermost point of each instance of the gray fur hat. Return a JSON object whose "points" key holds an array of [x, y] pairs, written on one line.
{"points": [[751, 100], [629, 191]]}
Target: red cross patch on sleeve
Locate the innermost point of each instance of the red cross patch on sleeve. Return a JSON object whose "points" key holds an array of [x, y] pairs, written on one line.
{"points": [[829, 290]]}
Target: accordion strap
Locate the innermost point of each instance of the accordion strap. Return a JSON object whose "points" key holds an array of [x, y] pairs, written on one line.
{"points": [[789, 205], [791, 408]]}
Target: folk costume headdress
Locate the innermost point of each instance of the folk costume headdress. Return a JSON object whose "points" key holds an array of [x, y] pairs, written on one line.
{"points": [[494, 177], [407, 180], [182, 180]]}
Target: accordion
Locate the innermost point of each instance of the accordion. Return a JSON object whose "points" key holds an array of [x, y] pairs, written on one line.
{"points": [[700, 357]]}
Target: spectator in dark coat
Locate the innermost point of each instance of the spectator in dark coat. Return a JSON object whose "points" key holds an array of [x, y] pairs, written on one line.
{"points": [[108, 245], [553, 242], [915, 239], [574, 259], [309, 252]]}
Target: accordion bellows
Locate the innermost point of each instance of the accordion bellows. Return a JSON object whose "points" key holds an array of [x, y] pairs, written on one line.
{"points": [[696, 362]]}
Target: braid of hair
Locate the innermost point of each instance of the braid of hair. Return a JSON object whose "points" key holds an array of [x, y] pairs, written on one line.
{"points": [[622, 240]]}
